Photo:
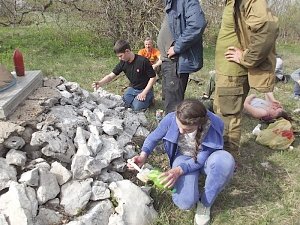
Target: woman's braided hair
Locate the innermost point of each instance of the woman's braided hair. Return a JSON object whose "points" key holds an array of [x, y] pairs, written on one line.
{"points": [[192, 112]]}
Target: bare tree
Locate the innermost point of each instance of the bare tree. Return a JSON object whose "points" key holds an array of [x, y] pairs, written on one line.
{"points": [[131, 19], [288, 12], [213, 10]]}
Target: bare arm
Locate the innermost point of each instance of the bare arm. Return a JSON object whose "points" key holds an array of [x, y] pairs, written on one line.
{"points": [[157, 63], [108, 78], [270, 98], [249, 99]]}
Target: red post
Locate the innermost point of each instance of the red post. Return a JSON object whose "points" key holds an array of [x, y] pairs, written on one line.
{"points": [[19, 63]]}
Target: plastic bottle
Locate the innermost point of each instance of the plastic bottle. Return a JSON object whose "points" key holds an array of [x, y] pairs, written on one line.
{"points": [[256, 129], [19, 63], [151, 177]]}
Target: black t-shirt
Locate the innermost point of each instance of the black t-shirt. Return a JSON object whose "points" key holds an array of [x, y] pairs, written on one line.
{"points": [[139, 71]]}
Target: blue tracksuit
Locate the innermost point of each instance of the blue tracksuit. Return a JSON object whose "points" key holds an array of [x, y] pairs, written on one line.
{"points": [[212, 160]]}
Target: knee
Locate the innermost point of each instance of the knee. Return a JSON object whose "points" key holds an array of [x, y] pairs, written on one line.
{"points": [[126, 99], [185, 202], [137, 106], [224, 162]]}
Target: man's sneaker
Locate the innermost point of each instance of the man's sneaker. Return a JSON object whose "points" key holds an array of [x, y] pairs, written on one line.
{"points": [[202, 216]]}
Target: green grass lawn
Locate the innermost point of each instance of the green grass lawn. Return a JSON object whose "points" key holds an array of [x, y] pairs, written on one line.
{"points": [[257, 194]]}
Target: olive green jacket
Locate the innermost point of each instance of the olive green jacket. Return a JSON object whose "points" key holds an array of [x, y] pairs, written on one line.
{"points": [[257, 33], [257, 30]]}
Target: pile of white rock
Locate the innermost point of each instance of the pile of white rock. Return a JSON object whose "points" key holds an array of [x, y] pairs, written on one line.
{"points": [[62, 154]]}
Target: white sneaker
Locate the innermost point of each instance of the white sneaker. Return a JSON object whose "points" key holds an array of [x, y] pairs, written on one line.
{"points": [[202, 216]]}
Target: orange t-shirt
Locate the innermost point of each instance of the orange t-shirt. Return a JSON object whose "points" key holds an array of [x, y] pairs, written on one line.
{"points": [[153, 55]]}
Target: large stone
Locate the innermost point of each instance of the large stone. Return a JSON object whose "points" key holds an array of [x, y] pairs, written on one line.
{"points": [[15, 157], [3, 150], [133, 212], [100, 191], [67, 118], [109, 176], [77, 167], [75, 195], [62, 174], [95, 142], [8, 128], [14, 142], [48, 217], [30, 178], [97, 214], [110, 149], [57, 145], [19, 204], [48, 188], [7, 174], [3, 220], [112, 126]]}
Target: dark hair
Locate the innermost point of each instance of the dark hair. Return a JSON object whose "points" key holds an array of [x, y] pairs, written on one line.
{"points": [[192, 112], [283, 114], [121, 46]]}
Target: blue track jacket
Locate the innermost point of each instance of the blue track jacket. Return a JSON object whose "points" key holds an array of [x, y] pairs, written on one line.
{"points": [[168, 131], [187, 23]]}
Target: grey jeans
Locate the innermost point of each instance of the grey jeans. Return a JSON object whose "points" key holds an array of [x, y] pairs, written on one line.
{"points": [[173, 85]]}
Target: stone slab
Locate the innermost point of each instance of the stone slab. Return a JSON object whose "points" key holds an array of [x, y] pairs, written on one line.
{"points": [[12, 97]]}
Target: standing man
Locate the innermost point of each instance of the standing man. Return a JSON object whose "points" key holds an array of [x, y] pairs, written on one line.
{"points": [[245, 58], [152, 54], [180, 46], [140, 73]]}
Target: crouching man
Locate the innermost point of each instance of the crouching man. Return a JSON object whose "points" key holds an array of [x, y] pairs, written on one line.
{"points": [[140, 73]]}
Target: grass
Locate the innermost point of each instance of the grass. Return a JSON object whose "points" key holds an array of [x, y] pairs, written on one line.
{"points": [[256, 195]]}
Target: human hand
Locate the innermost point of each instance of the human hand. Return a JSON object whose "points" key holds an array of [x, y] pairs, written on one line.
{"points": [[234, 54], [171, 52], [139, 160], [170, 177], [276, 105], [95, 85], [141, 96]]}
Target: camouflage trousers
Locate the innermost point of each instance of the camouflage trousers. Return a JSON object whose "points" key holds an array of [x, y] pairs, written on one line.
{"points": [[229, 98]]}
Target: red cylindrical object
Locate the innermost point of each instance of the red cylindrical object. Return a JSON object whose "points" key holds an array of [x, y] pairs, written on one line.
{"points": [[19, 63]]}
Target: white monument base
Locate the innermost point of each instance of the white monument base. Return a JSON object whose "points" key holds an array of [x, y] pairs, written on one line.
{"points": [[12, 97]]}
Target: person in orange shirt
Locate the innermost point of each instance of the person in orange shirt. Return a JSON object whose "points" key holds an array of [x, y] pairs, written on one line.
{"points": [[152, 54]]}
